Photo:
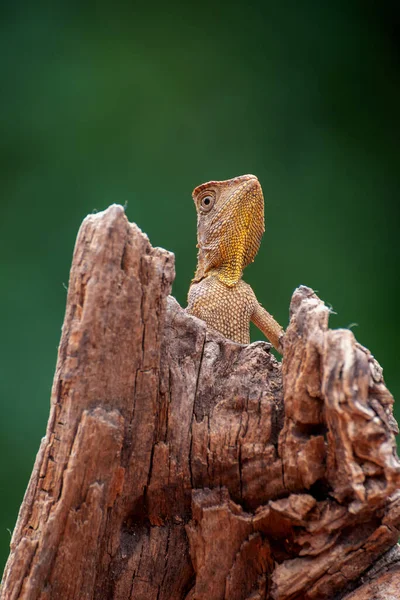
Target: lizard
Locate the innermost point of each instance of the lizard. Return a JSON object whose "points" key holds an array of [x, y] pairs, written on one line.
{"points": [[230, 225]]}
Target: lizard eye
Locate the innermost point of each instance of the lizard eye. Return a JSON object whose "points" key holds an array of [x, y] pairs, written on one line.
{"points": [[206, 203]]}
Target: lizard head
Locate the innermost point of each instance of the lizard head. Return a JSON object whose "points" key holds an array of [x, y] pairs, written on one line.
{"points": [[230, 225]]}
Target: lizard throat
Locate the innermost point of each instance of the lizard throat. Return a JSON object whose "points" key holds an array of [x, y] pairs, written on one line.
{"points": [[229, 274]]}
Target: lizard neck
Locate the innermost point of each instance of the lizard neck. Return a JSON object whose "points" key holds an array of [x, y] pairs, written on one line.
{"points": [[229, 272]]}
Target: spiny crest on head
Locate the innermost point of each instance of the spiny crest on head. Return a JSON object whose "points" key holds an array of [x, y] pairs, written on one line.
{"points": [[226, 183]]}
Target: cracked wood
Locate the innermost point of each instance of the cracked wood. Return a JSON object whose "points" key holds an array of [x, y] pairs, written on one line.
{"points": [[180, 465]]}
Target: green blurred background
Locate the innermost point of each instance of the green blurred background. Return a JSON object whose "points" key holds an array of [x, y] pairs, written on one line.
{"points": [[140, 102]]}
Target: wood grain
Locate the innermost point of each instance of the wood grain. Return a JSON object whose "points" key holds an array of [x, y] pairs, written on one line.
{"points": [[178, 464]]}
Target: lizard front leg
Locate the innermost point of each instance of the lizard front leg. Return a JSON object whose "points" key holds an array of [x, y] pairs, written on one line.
{"points": [[269, 327]]}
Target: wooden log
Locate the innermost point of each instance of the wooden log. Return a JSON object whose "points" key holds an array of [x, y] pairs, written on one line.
{"points": [[178, 464]]}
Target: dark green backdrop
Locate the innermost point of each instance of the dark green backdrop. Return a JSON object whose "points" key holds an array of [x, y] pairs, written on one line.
{"points": [[140, 103]]}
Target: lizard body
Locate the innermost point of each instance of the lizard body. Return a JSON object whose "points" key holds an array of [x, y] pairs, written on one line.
{"points": [[230, 225]]}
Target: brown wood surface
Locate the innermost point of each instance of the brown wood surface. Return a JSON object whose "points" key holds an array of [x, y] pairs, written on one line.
{"points": [[180, 465]]}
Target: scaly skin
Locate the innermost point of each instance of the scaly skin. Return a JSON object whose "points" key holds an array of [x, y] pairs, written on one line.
{"points": [[230, 225]]}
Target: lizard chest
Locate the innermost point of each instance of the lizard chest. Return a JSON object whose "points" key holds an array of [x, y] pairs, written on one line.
{"points": [[226, 309]]}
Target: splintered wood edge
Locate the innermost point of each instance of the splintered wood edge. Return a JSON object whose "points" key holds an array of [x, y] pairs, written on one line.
{"points": [[139, 392], [117, 290]]}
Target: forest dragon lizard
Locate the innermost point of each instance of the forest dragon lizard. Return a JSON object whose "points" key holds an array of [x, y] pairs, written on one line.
{"points": [[230, 225]]}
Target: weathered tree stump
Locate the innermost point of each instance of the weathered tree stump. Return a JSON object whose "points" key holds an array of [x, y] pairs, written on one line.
{"points": [[178, 464]]}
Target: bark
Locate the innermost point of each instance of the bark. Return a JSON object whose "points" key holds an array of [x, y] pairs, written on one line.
{"points": [[180, 465]]}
